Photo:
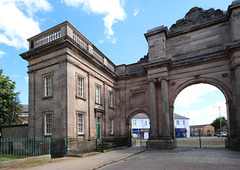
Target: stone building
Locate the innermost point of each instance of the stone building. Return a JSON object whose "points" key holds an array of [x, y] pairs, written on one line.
{"points": [[76, 92], [182, 129], [205, 130]]}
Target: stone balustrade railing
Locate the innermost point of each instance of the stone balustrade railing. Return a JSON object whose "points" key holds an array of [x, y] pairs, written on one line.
{"points": [[64, 29]]}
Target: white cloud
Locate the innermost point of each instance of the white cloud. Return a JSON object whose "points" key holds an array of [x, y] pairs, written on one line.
{"points": [[136, 11], [17, 76], [111, 9], [206, 115], [192, 94], [2, 53], [26, 78], [18, 23]]}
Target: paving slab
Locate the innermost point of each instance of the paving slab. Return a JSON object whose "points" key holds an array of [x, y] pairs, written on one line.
{"points": [[90, 162]]}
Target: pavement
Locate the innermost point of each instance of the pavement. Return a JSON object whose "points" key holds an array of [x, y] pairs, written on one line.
{"points": [[139, 158]]}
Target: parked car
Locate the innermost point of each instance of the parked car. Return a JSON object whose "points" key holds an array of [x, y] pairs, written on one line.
{"points": [[222, 134]]}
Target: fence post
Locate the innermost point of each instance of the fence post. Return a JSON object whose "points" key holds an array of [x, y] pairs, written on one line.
{"points": [[65, 142], [102, 144], [49, 146], [200, 138]]}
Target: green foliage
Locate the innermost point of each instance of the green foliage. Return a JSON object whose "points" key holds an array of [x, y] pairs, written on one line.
{"points": [[216, 123], [9, 102]]}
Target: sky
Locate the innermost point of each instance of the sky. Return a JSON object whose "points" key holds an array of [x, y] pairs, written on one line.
{"points": [[202, 106], [116, 27]]}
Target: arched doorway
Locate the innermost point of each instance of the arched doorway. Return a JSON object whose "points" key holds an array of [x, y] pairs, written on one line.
{"points": [[139, 128], [198, 109]]}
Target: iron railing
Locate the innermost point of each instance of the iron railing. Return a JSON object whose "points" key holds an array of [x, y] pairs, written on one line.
{"points": [[17, 148]]}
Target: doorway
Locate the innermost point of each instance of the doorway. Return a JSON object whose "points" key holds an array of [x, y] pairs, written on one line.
{"points": [[98, 128]]}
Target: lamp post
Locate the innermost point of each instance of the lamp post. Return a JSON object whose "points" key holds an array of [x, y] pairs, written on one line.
{"points": [[219, 118]]}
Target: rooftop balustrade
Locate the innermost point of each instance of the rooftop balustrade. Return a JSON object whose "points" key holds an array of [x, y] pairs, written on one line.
{"points": [[64, 29]]}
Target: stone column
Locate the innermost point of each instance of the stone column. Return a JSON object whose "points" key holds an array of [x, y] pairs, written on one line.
{"points": [[153, 111], [31, 105], [237, 88], [165, 109]]}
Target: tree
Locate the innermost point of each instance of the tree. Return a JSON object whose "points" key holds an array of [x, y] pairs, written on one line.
{"points": [[216, 123], [9, 101]]}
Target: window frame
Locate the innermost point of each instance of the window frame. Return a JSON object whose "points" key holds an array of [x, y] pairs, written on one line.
{"points": [[81, 85], [98, 94], [46, 133], [111, 127], [83, 123], [111, 104], [48, 88], [134, 122], [177, 122]]}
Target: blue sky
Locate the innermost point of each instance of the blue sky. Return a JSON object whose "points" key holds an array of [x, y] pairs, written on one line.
{"points": [[116, 27], [202, 106]]}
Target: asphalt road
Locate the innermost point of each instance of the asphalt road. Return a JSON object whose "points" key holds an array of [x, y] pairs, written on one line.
{"points": [[181, 158]]}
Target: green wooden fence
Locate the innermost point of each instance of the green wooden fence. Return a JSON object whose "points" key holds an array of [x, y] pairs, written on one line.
{"points": [[17, 148]]}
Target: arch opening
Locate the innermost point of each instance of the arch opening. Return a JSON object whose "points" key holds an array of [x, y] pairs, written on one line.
{"points": [[139, 128], [198, 109]]}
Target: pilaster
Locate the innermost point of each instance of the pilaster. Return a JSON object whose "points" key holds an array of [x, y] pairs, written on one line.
{"points": [[153, 110], [165, 108]]}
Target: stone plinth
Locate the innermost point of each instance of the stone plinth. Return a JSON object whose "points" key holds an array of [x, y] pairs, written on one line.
{"points": [[233, 144], [161, 144]]}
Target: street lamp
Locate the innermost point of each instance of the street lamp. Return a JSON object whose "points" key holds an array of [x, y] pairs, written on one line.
{"points": [[220, 118]]}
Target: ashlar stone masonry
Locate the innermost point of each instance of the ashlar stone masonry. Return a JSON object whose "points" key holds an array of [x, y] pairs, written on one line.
{"points": [[76, 92]]}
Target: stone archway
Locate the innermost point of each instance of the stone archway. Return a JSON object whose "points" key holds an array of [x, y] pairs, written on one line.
{"points": [[216, 83], [129, 123]]}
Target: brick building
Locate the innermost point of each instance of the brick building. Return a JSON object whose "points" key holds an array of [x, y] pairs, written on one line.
{"points": [[205, 130]]}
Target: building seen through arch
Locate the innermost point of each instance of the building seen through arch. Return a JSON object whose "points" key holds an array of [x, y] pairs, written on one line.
{"points": [[76, 92]]}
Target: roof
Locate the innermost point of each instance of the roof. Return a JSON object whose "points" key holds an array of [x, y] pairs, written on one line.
{"points": [[140, 116], [144, 116], [179, 116], [199, 126], [25, 108]]}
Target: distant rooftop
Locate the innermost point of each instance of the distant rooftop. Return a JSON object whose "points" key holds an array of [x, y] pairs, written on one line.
{"points": [[144, 116], [180, 117]]}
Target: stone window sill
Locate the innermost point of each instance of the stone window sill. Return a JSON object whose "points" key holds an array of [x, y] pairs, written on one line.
{"points": [[81, 98], [47, 98]]}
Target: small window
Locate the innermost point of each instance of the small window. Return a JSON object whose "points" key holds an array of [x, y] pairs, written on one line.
{"points": [[134, 122], [48, 85], [111, 127], [48, 124], [196, 128], [80, 121], [183, 122], [141, 122], [111, 99], [98, 94], [208, 130], [80, 87], [177, 122]]}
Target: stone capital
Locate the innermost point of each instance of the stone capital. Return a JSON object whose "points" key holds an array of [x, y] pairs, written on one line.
{"points": [[153, 81], [163, 78], [234, 66]]}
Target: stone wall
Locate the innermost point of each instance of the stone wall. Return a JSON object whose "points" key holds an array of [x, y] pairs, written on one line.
{"points": [[78, 147], [15, 131]]}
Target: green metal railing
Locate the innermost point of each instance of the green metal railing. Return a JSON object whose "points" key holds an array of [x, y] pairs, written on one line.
{"points": [[17, 148]]}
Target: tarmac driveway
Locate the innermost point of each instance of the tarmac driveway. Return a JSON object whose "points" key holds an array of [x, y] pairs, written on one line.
{"points": [[181, 158]]}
